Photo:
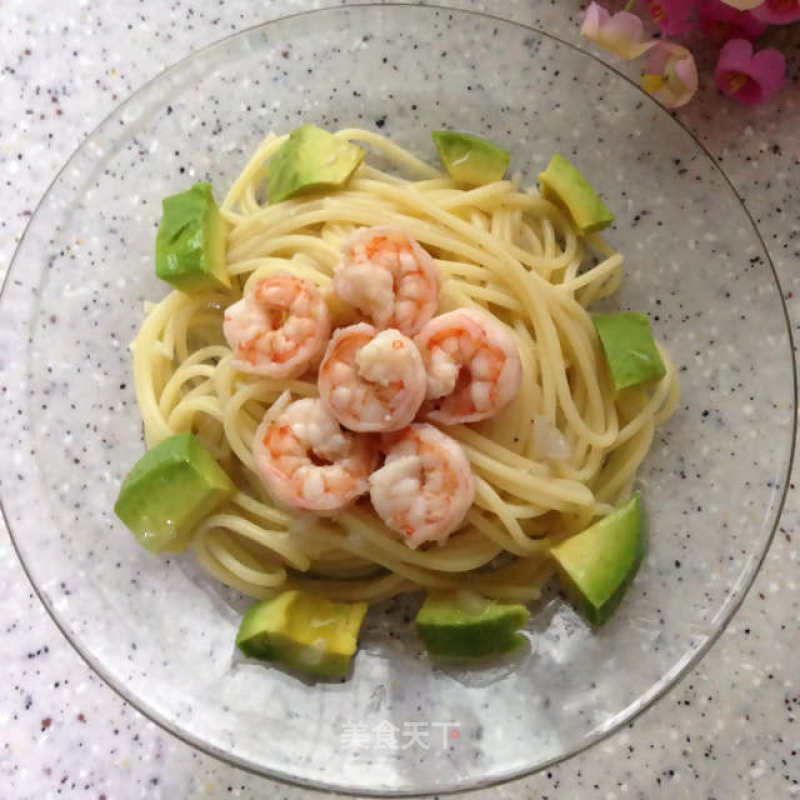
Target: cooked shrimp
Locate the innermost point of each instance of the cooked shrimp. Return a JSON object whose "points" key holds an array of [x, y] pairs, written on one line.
{"points": [[279, 328], [389, 278], [372, 381], [473, 366], [307, 461], [425, 487]]}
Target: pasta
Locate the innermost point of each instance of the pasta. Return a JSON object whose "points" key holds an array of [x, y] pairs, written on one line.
{"points": [[564, 452]]}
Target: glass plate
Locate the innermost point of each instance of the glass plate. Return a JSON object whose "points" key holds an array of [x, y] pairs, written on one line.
{"points": [[161, 633]]}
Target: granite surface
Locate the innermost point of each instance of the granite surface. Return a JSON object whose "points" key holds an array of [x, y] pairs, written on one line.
{"points": [[729, 729]]}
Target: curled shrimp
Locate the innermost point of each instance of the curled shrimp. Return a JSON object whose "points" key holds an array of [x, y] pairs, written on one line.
{"points": [[389, 278], [307, 461], [425, 487], [279, 328], [372, 381], [473, 366]]}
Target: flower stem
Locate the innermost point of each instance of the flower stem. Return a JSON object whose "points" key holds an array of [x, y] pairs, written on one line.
{"points": [[630, 5]]}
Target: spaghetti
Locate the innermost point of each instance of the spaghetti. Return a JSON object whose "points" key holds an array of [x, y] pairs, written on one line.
{"points": [[564, 452]]}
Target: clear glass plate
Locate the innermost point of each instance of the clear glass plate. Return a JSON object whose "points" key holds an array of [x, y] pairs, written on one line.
{"points": [[162, 634]]}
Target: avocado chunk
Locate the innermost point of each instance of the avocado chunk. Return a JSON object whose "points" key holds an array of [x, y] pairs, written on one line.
{"points": [[563, 184], [466, 625], [629, 348], [170, 489], [595, 565], [191, 242], [302, 631], [309, 159], [470, 159]]}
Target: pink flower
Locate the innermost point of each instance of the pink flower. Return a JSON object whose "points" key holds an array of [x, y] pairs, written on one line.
{"points": [[672, 16], [670, 75], [778, 12], [722, 22], [621, 34], [743, 5], [750, 79]]}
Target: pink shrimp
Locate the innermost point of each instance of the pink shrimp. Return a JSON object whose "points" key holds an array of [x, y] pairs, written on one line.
{"points": [[372, 381], [425, 487], [473, 366], [307, 461], [279, 328], [389, 278]]}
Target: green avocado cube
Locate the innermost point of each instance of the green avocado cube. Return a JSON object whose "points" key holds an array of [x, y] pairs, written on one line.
{"points": [[629, 348], [469, 159], [563, 184], [191, 242], [172, 487], [466, 625], [596, 565], [310, 159], [303, 631]]}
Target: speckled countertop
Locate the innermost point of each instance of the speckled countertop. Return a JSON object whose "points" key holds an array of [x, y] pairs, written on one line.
{"points": [[730, 729]]}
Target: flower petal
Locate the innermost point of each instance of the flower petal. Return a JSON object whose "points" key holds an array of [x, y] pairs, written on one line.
{"points": [[735, 55], [750, 79], [593, 20], [621, 34], [722, 22], [778, 12], [670, 75], [672, 16], [769, 69], [743, 5]]}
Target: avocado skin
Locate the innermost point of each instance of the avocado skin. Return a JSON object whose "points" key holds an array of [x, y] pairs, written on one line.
{"points": [[595, 566], [629, 348], [470, 159], [284, 629], [311, 159], [191, 242], [449, 629], [564, 185], [172, 487]]}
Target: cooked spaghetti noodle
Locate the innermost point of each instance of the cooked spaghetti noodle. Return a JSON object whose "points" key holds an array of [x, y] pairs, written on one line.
{"points": [[497, 248]]}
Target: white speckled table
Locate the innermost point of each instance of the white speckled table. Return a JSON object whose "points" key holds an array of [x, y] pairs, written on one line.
{"points": [[730, 729]]}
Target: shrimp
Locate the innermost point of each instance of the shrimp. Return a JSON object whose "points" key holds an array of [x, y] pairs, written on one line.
{"points": [[372, 381], [307, 461], [389, 278], [473, 366], [279, 328], [425, 487]]}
